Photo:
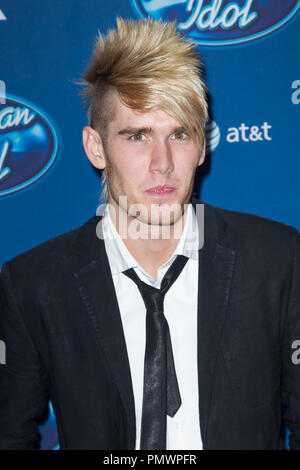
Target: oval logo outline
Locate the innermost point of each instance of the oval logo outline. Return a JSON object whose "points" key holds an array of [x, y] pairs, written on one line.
{"points": [[228, 42], [55, 133]]}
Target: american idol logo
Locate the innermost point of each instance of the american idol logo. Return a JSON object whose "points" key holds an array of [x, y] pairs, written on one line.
{"points": [[221, 22], [29, 144]]}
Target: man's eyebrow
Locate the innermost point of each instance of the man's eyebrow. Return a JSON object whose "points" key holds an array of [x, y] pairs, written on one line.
{"points": [[145, 130], [135, 130]]}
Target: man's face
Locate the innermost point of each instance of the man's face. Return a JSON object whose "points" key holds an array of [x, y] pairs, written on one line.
{"points": [[150, 159]]}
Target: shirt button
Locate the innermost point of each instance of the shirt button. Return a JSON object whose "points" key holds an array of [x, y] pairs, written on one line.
{"points": [[178, 425]]}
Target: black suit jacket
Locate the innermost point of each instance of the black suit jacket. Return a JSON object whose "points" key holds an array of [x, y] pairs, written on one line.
{"points": [[64, 339]]}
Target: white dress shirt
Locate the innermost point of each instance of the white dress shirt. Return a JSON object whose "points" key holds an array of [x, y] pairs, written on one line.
{"points": [[180, 309]]}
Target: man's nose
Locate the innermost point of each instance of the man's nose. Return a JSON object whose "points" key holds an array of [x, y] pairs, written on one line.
{"points": [[161, 158]]}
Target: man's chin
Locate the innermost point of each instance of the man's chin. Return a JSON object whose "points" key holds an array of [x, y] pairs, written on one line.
{"points": [[163, 215]]}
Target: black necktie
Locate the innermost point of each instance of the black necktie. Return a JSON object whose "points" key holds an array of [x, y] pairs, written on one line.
{"points": [[161, 392]]}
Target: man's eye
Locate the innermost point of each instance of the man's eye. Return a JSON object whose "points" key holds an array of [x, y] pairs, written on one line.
{"points": [[181, 135], [137, 137]]}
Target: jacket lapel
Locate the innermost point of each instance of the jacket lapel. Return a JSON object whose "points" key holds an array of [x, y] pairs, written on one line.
{"points": [[216, 268], [98, 295]]}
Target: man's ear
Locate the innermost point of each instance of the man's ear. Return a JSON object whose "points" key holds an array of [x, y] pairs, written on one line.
{"points": [[202, 156], [93, 147]]}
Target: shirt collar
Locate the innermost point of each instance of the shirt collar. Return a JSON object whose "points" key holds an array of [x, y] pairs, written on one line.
{"points": [[120, 257]]}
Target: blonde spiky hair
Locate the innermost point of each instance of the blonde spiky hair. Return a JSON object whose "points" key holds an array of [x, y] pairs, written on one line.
{"points": [[152, 67]]}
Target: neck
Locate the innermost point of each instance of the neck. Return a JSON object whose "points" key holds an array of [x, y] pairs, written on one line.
{"points": [[150, 245]]}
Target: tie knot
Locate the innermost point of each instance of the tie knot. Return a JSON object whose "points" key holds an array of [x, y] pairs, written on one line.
{"points": [[153, 297]]}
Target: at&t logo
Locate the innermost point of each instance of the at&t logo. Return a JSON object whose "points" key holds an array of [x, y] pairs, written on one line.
{"points": [[212, 136]]}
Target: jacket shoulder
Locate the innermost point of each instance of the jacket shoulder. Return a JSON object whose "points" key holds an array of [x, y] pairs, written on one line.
{"points": [[255, 236], [248, 221], [47, 253]]}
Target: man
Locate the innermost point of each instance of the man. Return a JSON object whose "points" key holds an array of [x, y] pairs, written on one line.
{"points": [[132, 355]]}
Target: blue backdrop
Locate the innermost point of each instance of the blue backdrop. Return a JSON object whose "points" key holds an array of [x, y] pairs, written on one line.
{"points": [[250, 49]]}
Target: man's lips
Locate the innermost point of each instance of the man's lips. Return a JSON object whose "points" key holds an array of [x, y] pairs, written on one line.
{"points": [[161, 189]]}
